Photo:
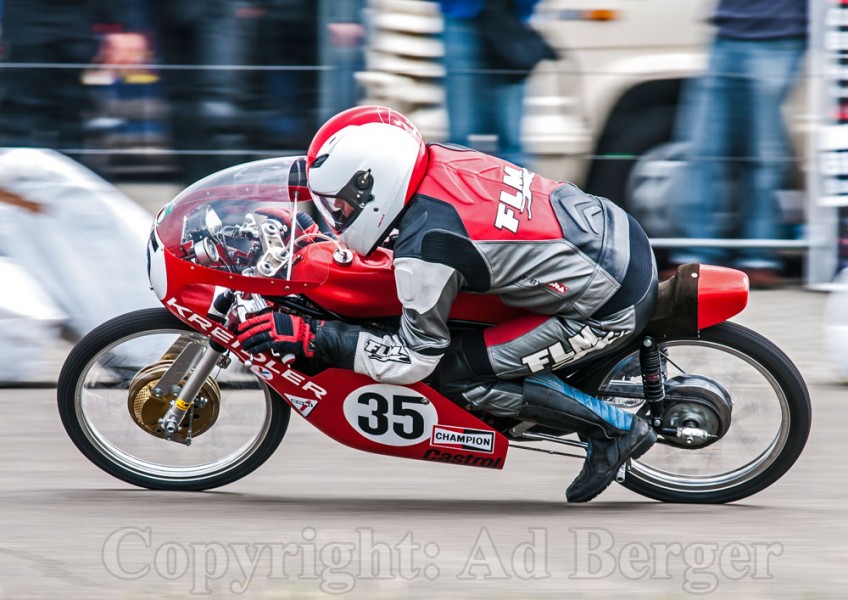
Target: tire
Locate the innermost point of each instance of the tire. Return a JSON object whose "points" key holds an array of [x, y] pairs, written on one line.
{"points": [[777, 371], [101, 439]]}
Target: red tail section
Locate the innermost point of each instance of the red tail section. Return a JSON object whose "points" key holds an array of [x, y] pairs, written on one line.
{"points": [[722, 293]]}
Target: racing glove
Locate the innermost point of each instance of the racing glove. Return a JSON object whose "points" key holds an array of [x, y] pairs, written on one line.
{"points": [[280, 333]]}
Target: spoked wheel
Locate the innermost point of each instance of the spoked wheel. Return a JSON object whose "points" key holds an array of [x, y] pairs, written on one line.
{"points": [[758, 437], [110, 412]]}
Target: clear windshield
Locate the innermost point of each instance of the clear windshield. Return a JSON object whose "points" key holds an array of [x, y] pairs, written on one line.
{"points": [[242, 220]]}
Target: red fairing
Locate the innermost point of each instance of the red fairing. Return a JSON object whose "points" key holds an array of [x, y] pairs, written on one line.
{"points": [[515, 328], [182, 274], [483, 190], [441, 431], [365, 288], [411, 421], [722, 293], [481, 308], [216, 218]]}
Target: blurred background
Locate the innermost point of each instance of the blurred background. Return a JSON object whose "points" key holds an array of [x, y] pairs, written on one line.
{"points": [[717, 124], [722, 125]]}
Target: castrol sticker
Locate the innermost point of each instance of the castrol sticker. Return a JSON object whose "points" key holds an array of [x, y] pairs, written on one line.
{"points": [[391, 415]]}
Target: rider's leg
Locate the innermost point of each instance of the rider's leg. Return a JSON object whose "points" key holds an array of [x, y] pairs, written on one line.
{"points": [[501, 371], [499, 379], [613, 435]]}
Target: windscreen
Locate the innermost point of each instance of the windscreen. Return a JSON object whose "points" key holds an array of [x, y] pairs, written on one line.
{"points": [[242, 220]]}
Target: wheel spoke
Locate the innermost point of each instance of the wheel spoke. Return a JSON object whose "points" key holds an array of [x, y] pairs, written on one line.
{"points": [[759, 423], [110, 409]]}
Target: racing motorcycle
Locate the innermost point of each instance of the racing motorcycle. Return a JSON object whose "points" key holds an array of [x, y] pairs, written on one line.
{"points": [[166, 398]]}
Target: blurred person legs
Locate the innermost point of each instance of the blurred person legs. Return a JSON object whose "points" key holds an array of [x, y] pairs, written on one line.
{"points": [[284, 103], [204, 103], [708, 116], [341, 41], [42, 106], [732, 119], [479, 102], [776, 63]]}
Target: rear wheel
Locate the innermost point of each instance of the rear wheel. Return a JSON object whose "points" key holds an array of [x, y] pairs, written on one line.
{"points": [[106, 408], [768, 425]]}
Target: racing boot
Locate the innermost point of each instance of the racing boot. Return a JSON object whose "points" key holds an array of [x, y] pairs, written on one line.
{"points": [[613, 435]]}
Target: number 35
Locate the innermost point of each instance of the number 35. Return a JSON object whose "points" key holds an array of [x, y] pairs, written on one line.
{"points": [[404, 419]]}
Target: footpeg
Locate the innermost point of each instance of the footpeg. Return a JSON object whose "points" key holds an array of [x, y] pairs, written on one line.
{"points": [[622, 473]]}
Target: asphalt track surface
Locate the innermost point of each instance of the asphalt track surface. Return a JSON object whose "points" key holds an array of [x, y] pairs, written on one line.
{"points": [[319, 519]]}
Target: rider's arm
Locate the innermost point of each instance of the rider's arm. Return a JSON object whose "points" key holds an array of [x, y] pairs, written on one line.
{"points": [[427, 291]]}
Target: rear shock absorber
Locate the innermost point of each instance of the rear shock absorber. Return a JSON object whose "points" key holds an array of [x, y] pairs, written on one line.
{"points": [[650, 362]]}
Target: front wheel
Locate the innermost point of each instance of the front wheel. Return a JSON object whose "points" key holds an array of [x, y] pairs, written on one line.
{"points": [[106, 408], [768, 426]]}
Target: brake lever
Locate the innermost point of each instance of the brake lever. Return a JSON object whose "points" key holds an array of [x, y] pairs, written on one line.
{"points": [[241, 311]]}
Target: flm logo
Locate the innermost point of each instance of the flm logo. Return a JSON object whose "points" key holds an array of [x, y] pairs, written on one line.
{"points": [[462, 438]]}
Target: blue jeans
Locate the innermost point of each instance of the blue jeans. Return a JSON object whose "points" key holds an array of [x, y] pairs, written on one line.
{"points": [[480, 102], [732, 116]]}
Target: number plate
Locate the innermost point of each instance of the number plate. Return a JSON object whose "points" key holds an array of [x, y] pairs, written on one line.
{"points": [[391, 415]]}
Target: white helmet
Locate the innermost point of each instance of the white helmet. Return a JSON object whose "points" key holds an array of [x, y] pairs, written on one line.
{"points": [[362, 167]]}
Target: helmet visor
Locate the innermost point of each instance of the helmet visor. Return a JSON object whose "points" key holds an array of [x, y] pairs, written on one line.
{"points": [[341, 209], [337, 212]]}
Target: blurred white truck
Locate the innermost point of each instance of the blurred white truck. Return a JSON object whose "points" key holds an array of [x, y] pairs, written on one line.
{"points": [[601, 116]]}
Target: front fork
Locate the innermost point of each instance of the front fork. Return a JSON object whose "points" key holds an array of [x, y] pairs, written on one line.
{"points": [[236, 307], [173, 417]]}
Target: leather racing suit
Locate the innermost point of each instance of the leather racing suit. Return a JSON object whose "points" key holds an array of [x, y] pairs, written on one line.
{"points": [[580, 265]]}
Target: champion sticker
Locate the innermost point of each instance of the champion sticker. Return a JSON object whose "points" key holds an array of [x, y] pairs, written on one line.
{"points": [[463, 438]]}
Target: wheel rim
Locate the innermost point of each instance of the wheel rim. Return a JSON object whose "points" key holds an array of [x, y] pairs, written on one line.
{"points": [[758, 432], [100, 404]]}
